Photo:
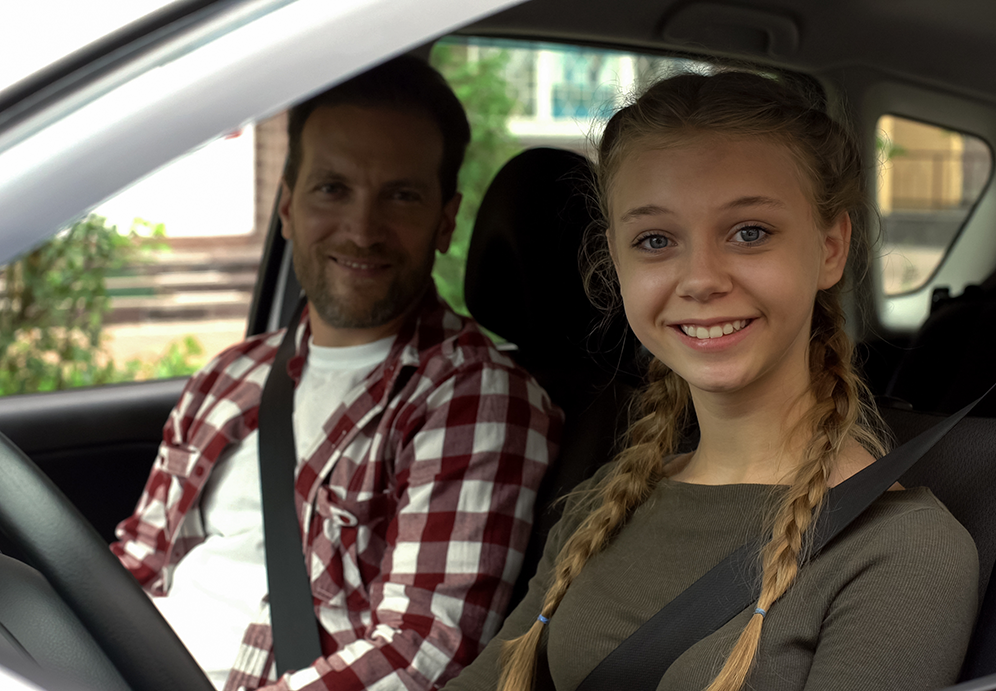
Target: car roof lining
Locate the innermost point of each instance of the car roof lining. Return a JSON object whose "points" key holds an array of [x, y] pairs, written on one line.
{"points": [[920, 41]]}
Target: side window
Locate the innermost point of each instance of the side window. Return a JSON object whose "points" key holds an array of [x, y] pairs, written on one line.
{"points": [[159, 279], [929, 179], [522, 94], [153, 282]]}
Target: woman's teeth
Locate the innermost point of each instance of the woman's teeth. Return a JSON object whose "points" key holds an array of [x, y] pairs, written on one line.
{"points": [[714, 331]]}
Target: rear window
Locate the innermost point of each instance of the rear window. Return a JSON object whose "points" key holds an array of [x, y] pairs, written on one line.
{"points": [[929, 179]]}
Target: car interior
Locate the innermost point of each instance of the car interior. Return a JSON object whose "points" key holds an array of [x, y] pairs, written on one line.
{"points": [[926, 351]]}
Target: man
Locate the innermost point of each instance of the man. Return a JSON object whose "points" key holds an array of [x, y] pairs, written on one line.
{"points": [[420, 446]]}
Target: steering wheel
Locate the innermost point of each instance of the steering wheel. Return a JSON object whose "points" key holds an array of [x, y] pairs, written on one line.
{"points": [[65, 548]]}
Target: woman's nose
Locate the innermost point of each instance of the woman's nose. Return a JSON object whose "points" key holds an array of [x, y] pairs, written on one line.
{"points": [[704, 274]]}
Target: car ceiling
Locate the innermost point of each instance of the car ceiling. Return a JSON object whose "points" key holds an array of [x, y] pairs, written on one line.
{"points": [[944, 45]]}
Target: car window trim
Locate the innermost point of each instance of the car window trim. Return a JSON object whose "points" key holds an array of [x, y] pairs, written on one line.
{"points": [[78, 68]]}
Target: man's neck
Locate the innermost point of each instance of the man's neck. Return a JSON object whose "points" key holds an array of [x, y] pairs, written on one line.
{"points": [[338, 337]]}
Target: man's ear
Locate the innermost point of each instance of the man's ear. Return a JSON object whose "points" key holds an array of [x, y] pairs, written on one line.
{"points": [[836, 244], [447, 224], [284, 209]]}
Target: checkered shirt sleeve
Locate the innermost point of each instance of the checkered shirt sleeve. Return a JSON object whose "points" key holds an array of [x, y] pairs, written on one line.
{"points": [[472, 451], [217, 406]]}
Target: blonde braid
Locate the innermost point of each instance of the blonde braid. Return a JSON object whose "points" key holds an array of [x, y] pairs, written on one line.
{"points": [[843, 411], [635, 472]]}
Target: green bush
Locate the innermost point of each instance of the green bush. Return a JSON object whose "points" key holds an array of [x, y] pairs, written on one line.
{"points": [[52, 308]]}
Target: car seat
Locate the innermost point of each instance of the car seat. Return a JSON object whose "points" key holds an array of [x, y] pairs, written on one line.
{"points": [[950, 361], [960, 471], [523, 283]]}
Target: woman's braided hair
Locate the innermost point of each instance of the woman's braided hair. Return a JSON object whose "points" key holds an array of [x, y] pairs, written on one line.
{"points": [[742, 105]]}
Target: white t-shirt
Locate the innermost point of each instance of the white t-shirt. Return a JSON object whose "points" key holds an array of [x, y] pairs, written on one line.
{"points": [[218, 587]]}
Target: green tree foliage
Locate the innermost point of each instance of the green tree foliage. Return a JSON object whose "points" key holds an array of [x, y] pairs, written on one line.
{"points": [[477, 78], [52, 308]]}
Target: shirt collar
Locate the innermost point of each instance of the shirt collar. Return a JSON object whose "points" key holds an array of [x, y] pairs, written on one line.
{"points": [[428, 326]]}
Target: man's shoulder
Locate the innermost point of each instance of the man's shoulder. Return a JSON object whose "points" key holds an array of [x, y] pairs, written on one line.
{"points": [[238, 359], [461, 360], [450, 341]]}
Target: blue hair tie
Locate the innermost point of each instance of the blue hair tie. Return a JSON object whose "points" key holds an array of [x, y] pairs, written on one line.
{"points": [[543, 620], [760, 611]]}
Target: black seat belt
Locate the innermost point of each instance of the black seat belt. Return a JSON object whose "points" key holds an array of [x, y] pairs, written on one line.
{"points": [[296, 644], [734, 584]]}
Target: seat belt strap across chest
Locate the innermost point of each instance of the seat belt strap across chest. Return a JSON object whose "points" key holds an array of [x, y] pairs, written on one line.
{"points": [[733, 585], [296, 642]]}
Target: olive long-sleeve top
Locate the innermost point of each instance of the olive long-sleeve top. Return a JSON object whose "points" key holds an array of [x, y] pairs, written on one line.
{"points": [[889, 604]]}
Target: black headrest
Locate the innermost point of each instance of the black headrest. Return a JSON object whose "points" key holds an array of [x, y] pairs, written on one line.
{"points": [[523, 277]]}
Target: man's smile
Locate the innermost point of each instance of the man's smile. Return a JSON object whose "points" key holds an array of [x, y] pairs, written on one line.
{"points": [[357, 264]]}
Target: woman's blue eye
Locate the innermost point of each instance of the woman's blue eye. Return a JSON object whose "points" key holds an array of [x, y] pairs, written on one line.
{"points": [[654, 242], [751, 234]]}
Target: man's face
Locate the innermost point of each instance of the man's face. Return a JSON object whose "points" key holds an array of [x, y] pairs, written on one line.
{"points": [[366, 217]]}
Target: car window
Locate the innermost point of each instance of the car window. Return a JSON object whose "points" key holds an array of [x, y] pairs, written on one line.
{"points": [[158, 279], [929, 179], [152, 282]]}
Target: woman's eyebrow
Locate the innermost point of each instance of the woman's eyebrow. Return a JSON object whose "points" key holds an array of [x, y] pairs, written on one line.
{"points": [[755, 201], [741, 202], [647, 210]]}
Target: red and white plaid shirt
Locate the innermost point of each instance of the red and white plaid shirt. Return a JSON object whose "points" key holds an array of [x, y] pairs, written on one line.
{"points": [[415, 512]]}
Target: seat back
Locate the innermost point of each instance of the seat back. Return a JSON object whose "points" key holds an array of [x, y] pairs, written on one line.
{"points": [[524, 284], [961, 471], [949, 362]]}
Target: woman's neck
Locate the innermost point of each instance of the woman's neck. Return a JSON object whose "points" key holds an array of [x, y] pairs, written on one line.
{"points": [[748, 436], [752, 438]]}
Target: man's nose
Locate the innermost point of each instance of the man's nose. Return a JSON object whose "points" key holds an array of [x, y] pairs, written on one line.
{"points": [[703, 274], [362, 223]]}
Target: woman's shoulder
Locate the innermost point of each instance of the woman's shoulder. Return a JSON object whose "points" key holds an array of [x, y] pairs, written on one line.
{"points": [[913, 523]]}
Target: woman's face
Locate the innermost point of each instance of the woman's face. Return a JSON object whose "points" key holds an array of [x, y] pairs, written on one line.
{"points": [[719, 259]]}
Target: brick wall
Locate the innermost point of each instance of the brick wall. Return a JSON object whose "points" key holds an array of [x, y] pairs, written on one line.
{"points": [[271, 150]]}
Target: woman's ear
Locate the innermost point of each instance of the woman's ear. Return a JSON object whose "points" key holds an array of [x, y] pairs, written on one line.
{"points": [[612, 248], [836, 243]]}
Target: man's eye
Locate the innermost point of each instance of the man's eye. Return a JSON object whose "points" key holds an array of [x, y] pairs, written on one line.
{"points": [[405, 196], [335, 188], [653, 242]]}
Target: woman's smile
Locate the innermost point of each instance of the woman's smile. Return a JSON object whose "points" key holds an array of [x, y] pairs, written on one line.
{"points": [[718, 336]]}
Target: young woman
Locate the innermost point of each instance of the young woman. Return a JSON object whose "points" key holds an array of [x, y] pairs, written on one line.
{"points": [[731, 206]]}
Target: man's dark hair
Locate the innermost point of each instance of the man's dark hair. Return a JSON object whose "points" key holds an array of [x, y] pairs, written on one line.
{"points": [[407, 84]]}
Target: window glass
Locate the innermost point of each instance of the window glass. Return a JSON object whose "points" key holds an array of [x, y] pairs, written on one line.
{"points": [[159, 279], [521, 94], [153, 282], [929, 179]]}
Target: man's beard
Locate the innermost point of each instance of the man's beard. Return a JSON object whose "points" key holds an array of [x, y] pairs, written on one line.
{"points": [[349, 311]]}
